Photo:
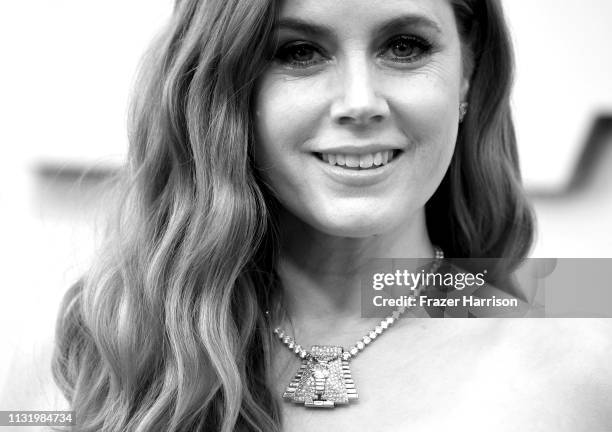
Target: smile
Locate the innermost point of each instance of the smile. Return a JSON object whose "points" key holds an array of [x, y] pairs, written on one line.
{"points": [[359, 162], [359, 170]]}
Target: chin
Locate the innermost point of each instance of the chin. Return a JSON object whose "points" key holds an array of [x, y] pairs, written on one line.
{"points": [[354, 225]]}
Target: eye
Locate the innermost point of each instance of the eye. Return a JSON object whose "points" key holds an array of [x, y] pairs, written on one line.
{"points": [[406, 49], [299, 54]]}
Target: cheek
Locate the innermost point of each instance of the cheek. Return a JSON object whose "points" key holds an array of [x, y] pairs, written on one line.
{"points": [[281, 125], [435, 132], [286, 112], [427, 114], [270, 134]]}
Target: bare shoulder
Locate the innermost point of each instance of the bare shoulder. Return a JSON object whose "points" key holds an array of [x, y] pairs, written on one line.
{"points": [[562, 340], [567, 363]]}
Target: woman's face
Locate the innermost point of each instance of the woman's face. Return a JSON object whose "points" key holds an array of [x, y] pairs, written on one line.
{"points": [[357, 115]]}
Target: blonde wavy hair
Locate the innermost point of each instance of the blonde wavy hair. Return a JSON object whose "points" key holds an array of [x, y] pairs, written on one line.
{"points": [[167, 330]]}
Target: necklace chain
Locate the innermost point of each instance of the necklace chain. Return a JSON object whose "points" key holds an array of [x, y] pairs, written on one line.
{"points": [[369, 337]]}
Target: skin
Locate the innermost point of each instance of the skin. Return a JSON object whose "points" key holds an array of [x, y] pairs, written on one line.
{"points": [[364, 81], [424, 374]]}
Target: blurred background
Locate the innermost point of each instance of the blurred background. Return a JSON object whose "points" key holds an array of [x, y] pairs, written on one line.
{"points": [[68, 68]]}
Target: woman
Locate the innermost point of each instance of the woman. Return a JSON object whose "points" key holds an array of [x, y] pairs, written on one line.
{"points": [[238, 214]]}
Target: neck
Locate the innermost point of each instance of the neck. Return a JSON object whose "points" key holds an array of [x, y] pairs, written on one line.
{"points": [[320, 273]]}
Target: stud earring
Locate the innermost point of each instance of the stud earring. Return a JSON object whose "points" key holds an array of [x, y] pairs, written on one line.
{"points": [[463, 107]]}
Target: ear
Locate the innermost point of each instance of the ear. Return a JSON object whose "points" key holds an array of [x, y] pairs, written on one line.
{"points": [[464, 88]]}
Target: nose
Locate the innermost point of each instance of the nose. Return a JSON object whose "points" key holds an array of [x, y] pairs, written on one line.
{"points": [[358, 102]]}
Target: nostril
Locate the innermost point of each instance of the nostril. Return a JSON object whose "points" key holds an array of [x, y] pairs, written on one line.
{"points": [[360, 120], [346, 120]]}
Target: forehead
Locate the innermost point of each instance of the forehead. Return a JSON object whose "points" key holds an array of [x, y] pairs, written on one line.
{"points": [[366, 15]]}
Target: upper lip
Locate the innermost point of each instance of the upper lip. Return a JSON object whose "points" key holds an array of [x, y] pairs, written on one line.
{"points": [[358, 149]]}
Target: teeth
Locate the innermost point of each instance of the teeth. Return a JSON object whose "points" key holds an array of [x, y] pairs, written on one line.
{"points": [[366, 161], [359, 161], [352, 161]]}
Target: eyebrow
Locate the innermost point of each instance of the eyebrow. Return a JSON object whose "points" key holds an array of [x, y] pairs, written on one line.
{"points": [[395, 24]]}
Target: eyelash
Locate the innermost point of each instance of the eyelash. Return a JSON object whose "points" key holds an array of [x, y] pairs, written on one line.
{"points": [[284, 53]]}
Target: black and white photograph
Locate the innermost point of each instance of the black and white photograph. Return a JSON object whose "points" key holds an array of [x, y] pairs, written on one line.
{"points": [[306, 215]]}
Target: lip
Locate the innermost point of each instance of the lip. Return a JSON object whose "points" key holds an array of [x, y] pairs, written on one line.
{"points": [[357, 150], [358, 178]]}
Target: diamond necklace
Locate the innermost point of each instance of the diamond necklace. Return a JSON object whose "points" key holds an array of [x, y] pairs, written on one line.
{"points": [[324, 378]]}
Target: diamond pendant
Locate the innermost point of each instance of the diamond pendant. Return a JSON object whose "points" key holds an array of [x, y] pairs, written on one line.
{"points": [[323, 380]]}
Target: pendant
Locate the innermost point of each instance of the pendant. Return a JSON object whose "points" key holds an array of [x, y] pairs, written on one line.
{"points": [[323, 380]]}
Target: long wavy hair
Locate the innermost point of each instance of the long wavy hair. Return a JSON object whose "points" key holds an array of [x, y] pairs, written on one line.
{"points": [[167, 330]]}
